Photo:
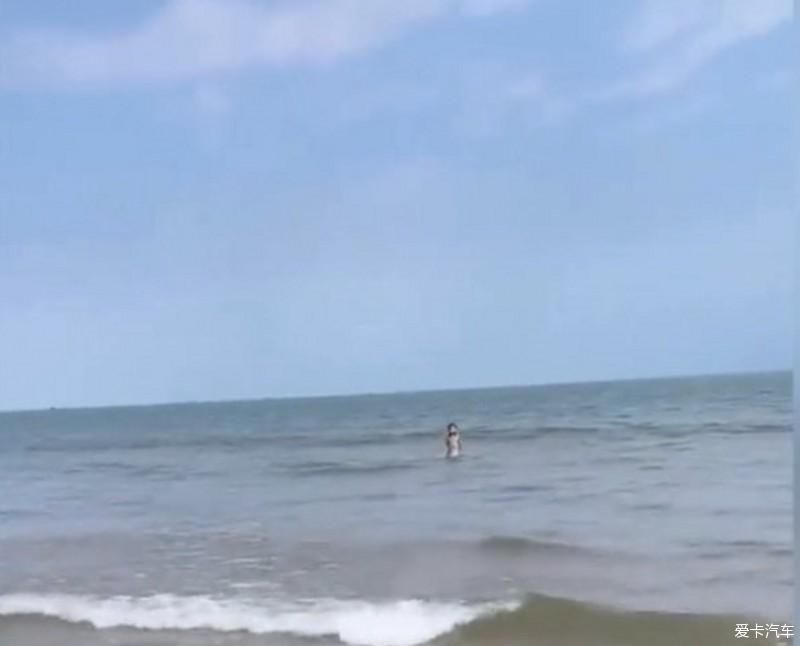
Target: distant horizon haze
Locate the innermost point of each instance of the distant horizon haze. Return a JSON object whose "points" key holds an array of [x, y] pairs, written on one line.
{"points": [[432, 390]]}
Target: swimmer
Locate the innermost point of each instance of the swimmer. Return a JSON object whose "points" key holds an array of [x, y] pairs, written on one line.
{"points": [[452, 440]]}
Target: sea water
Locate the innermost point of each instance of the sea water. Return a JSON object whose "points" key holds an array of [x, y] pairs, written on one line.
{"points": [[578, 514]]}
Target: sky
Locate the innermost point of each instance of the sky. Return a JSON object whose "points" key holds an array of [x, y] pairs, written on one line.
{"points": [[228, 199]]}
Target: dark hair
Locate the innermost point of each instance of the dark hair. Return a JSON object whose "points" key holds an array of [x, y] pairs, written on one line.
{"points": [[451, 425]]}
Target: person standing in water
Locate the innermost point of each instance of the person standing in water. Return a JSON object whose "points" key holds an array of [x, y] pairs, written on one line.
{"points": [[452, 440]]}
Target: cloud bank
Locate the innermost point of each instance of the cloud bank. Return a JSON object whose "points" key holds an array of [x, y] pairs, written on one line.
{"points": [[187, 39], [679, 37]]}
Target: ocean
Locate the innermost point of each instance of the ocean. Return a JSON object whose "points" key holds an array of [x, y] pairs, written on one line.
{"points": [[605, 514]]}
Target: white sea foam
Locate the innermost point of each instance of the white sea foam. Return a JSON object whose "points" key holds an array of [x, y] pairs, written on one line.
{"points": [[359, 623]]}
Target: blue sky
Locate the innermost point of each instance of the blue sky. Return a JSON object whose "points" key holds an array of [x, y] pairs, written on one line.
{"points": [[207, 199]]}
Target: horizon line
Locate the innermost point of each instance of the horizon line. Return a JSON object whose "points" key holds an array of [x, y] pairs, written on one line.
{"points": [[199, 402]]}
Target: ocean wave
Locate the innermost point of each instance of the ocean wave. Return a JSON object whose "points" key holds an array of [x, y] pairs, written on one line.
{"points": [[537, 621], [347, 468], [545, 621], [357, 623], [514, 545]]}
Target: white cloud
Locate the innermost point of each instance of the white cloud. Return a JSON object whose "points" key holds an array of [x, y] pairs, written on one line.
{"points": [[538, 99], [492, 7], [367, 99], [492, 97], [659, 23], [679, 37], [196, 38], [671, 115]]}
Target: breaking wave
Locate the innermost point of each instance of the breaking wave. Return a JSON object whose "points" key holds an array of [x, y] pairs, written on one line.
{"points": [[359, 623], [538, 621]]}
